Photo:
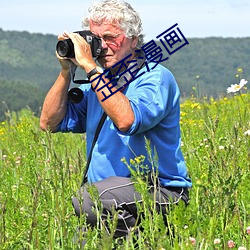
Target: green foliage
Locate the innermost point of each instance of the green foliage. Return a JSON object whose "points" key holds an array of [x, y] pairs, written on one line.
{"points": [[40, 172], [210, 64], [28, 68], [205, 67], [37, 181], [14, 95], [28, 58]]}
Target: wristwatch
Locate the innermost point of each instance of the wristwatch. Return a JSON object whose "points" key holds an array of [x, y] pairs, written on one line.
{"points": [[96, 70]]}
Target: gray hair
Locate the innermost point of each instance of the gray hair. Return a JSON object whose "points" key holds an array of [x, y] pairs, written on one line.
{"points": [[118, 12]]}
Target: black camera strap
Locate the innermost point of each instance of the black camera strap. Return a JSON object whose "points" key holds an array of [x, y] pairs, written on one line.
{"points": [[104, 115], [97, 132]]}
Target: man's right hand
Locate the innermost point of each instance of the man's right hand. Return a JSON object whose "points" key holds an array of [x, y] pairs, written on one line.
{"points": [[66, 63]]}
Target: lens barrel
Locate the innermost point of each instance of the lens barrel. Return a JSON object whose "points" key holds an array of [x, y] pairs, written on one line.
{"points": [[65, 48], [75, 95]]}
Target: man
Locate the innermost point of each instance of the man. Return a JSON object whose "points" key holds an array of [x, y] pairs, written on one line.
{"points": [[145, 109]]}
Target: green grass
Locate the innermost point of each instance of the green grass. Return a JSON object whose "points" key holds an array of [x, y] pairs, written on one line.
{"points": [[40, 172]]}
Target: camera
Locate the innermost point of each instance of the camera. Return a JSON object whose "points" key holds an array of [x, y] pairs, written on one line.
{"points": [[65, 48]]}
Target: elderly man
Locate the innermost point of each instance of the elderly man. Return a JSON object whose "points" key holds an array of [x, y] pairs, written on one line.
{"points": [[146, 109]]}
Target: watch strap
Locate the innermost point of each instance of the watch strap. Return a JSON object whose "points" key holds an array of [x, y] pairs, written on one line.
{"points": [[91, 73]]}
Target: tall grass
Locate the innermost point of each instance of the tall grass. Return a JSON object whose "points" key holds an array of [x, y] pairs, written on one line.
{"points": [[40, 172]]}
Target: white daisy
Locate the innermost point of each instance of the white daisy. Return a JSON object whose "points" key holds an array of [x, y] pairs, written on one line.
{"points": [[237, 87]]}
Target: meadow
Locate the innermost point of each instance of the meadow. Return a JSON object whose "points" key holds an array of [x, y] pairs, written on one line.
{"points": [[40, 172]]}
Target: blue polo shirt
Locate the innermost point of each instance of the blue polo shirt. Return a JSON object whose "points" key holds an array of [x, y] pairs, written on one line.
{"points": [[154, 98]]}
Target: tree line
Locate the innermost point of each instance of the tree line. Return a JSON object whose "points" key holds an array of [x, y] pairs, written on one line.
{"points": [[28, 67]]}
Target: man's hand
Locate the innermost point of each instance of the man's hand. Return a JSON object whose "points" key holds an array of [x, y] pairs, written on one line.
{"points": [[66, 63], [83, 54]]}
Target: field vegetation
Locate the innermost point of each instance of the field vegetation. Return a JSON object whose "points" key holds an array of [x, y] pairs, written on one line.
{"points": [[40, 172]]}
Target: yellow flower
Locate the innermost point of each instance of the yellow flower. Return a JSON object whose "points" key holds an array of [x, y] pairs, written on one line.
{"points": [[240, 70], [195, 105], [132, 162], [138, 160]]}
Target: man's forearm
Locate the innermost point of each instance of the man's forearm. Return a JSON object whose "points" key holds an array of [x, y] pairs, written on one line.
{"points": [[55, 103], [117, 107]]}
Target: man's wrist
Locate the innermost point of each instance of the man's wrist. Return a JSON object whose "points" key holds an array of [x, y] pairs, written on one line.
{"points": [[96, 70], [65, 73]]}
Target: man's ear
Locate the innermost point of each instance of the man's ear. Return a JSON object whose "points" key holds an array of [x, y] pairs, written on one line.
{"points": [[134, 42]]}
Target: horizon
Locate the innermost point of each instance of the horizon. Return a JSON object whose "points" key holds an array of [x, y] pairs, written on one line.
{"points": [[49, 34]]}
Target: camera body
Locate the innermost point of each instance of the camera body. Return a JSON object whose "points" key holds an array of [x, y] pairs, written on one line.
{"points": [[65, 48]]}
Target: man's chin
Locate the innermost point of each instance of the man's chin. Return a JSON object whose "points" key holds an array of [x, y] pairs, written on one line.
{"points": [[106, 64]]}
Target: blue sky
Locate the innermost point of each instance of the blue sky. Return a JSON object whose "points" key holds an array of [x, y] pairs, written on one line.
{"points": [[195, 18]]}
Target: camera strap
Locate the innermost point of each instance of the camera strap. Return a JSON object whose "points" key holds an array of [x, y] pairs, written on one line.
{"points": [[73, 69], [97, 132]]}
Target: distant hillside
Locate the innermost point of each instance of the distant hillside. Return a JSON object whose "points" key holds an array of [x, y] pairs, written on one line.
{"points": [[210, 64], [28, 57], [28, 67]]}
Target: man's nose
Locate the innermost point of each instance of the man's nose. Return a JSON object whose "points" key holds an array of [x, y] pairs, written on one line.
{"points": [[104, 44]]}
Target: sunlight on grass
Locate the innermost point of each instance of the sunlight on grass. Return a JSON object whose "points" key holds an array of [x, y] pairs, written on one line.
{"points": [[40, 172]]}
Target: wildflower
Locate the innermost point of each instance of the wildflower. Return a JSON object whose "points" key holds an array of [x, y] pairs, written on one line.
{"points": [[237, 87], [45, 216], [240, 70], [230, 244], [22, 210], [198, 182], [248, 230], [221, 147], [132, 162], [195, 106], [192, 240], [137, 159], [247, 133], [216, 241], [242, 248]]}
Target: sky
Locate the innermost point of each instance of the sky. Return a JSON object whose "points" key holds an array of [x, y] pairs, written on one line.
{"points": [[195, 18]]}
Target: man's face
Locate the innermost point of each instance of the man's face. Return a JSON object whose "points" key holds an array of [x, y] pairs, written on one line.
{"points": [[114, 43]]}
